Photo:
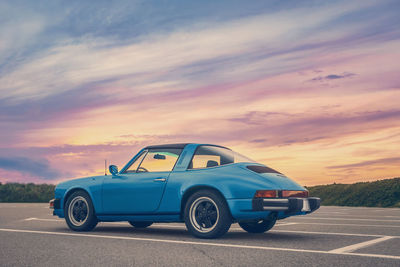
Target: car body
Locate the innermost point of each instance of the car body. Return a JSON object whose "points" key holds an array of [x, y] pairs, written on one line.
{"points": [[156, 184]]}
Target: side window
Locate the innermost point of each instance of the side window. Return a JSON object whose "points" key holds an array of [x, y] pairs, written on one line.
{"points": [[159, 160], [136, 163], [210, 156]]}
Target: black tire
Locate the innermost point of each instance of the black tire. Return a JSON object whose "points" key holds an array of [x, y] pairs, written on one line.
{"points": [[79, 212], [140, 224], [258, 227], [207, 215]]}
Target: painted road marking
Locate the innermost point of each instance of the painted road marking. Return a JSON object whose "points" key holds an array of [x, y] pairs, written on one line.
{"points": [[200, 243], [327, 212], [278, 224], [357, 246], [46, 220], [284, 231], [342, 219], [157, 225], [59, 220], [235, 228], [328, 233], [289, 231], [360, 208], [284, 224], [351, 224], [354, 215]]}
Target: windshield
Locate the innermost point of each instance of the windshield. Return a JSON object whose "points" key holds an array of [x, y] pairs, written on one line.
{"points": [[213, 156]]}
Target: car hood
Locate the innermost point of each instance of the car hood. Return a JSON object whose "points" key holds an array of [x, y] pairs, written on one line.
{"points": [[78, 181]]}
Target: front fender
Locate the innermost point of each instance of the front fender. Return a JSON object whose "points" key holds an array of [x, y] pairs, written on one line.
{"points": [[92, 185]]}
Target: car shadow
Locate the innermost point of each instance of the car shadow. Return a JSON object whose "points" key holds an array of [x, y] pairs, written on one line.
{"points": [[183, 233], [132, 230]]}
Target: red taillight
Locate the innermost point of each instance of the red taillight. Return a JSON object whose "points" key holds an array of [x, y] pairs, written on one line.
{"points": [[287, 193], [51, 204], [266, 193]]}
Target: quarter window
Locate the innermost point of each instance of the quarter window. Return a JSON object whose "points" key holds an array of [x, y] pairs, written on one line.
{"points": [[213, 156]]}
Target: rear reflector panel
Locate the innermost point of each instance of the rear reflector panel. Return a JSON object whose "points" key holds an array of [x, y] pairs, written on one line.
{"points": [[287, 193]]}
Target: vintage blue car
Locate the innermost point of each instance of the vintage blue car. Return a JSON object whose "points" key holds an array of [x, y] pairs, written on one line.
{"points": [[208, 187]]}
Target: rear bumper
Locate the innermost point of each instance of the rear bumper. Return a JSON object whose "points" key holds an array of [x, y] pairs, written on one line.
{"points": [[289, 205]]}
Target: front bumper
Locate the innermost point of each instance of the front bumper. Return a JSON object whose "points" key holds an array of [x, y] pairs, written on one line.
{"points": [[289, 205], [55, 204]]}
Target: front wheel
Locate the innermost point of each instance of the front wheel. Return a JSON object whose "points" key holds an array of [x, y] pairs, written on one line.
{"points": [[207, 215], [140, 224], [258, 226], [79, 212]]}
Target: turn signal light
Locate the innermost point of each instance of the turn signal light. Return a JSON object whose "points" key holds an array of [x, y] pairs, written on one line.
{"points": [[51, 203], [266, 193], [287, 193]]}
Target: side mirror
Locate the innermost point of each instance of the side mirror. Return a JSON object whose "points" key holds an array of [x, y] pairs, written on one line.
{"points": [[113, 169], [159, 156]]}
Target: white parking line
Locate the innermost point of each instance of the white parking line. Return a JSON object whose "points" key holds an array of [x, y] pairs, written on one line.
{"points": [[326, 212], [234, 228], [326, 208], [125, 223], [181, 226], [200, 243], [328, 233], [46, 220], [357, 246], [341, 219], [285, 231], [352, 224], [356, 208], [353, 215], [239, 229], [284, 224]]}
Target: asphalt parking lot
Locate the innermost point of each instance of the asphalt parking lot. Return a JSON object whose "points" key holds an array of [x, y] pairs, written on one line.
{"points": [[332, 236]]}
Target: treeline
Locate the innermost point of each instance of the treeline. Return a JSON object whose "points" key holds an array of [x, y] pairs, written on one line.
{"points": [[383, 193], [15, 192]]}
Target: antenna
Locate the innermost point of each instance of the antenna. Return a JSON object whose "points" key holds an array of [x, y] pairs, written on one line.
{"points": [[105, 167]]}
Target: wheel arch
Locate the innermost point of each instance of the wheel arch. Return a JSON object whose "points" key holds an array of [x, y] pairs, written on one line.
{"points": [[75, 189], [190, 191]]}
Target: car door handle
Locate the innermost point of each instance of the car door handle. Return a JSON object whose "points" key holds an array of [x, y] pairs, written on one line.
{"points": [[159, 180]]}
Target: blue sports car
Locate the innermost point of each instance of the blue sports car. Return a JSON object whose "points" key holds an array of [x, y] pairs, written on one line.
{"points": [[208, 187]]}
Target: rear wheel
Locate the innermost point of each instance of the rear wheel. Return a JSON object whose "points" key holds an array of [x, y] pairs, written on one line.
{"points": [[79, 212], [207, 215], [140, 224], [260, 226]]}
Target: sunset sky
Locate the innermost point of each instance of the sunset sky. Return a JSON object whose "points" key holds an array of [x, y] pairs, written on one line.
{"points": [[310, 89]]}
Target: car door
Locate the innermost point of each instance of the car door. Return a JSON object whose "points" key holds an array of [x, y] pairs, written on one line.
{"points": [[139, 189]]}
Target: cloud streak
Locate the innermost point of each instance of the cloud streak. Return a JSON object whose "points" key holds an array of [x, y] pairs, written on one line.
{"points": [[34, 167], [333, 77], [367, 163], [284, 129]]}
